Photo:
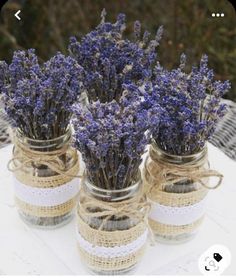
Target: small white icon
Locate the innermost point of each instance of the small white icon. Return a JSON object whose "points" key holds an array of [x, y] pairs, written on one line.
{"points": [[17, 15], [214, 260], [217, 14]]}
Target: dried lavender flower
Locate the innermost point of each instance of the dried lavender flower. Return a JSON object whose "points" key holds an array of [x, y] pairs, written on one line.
{"points": [[112, 137], [191, 102], [38, 98], [110, 60]]}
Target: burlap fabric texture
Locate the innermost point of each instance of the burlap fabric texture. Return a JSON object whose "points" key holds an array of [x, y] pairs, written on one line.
{"points": [[22, 164], [159, 173], [110, 259]]}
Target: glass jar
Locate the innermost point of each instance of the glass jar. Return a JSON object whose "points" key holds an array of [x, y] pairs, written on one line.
{"points": [[45, 186], [112, 233], [177, 193]]}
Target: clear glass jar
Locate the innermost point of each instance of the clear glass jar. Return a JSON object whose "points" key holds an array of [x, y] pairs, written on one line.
{"points": [[179, 207], [44, 197], [114, 224]]}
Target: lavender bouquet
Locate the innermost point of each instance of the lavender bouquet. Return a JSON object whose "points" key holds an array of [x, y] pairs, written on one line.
{"points": [[110, 60], [38, 98], [112, 137], [192, 104], [178, 162]]}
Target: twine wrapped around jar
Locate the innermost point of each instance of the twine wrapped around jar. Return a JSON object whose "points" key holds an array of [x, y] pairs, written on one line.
{"points": [[177, 187], [53, 193], [105, 247]]}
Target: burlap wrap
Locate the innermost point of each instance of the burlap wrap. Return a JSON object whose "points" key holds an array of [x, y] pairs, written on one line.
{"points": [[21, 165], [158, 174], [173, 230], [134, 208], [42, 211]]}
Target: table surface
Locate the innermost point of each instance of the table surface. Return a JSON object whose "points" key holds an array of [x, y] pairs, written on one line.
{"points": [[25, 250]]}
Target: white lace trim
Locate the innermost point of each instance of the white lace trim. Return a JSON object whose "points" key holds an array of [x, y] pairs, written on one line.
{"points": [[46, 196], [177, 215], [113, 252]]}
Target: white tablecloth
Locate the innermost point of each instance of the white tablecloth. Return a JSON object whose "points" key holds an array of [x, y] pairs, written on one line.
{"points": [[25, 250]]}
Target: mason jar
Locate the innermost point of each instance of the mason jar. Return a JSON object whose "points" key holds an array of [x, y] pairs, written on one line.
{"points": [[45, 183], [177, 190], [112, 232]]}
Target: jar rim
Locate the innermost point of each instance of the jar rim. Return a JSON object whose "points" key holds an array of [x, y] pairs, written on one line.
{"points": [[44, 145], [180, 158], [102, 192], [20, 133]]}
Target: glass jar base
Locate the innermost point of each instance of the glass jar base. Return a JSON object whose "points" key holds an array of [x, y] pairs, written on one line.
{"points": [[175, 239], [46, 222], [129, 271]]}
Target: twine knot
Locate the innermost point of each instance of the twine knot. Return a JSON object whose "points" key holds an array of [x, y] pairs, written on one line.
{"points": [[136, 208], [159, 173], [24, 156]]}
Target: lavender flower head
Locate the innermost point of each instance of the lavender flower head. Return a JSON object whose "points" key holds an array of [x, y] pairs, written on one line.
{"points": [[112, 137], [110, 60], [39, 98], [192, 105]]}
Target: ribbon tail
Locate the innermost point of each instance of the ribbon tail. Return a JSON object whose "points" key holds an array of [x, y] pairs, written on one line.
{"points": [[13, 168], [215, 174]]}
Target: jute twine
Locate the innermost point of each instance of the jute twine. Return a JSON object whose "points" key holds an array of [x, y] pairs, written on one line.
{"points": [[24, 156], [158, 174], [23, 160], [135, 208]]}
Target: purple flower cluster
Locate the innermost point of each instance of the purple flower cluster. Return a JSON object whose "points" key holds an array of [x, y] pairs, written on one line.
{"points": [[192, 106], [39, 98], [112, 137], [110, 61]]}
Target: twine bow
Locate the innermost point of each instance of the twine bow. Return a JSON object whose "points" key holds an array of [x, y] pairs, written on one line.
{"points": [[159, 173], [24, 156], [136, 207]]}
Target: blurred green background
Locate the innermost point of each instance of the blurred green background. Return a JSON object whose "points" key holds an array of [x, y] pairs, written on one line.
{"points": [[188, 27]]}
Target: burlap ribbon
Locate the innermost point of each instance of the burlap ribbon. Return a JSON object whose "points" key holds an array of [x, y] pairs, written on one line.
{"points": [[135, 208], [23, 156], [25, 159], [159, 173]]}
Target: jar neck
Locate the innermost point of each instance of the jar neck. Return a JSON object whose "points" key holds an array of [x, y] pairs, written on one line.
{"points": [[44, 145], [112, 195], [177, 159]]}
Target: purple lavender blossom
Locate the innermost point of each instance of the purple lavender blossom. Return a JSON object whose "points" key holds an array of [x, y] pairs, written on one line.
{"points": [[192, 105], [112, 137], [39, 98], [110, 61]]}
